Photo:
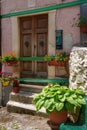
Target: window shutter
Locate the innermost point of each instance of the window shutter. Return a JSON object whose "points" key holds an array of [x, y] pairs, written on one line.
{"points": [[83, 10]]}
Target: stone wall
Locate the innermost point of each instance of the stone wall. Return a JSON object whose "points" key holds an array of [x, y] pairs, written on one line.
{"points": [[4, 94], [78, 68]]}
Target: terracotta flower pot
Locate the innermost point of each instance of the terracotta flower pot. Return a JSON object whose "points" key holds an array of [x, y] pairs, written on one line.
{"points": [[83, 28], [58, 118], [16, 90]]}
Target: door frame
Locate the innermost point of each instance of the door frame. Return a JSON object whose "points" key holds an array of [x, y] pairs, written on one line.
{"points": [[51, 39]]}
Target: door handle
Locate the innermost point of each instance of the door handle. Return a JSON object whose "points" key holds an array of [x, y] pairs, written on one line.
{"points": [[34, 46], [34, 50]]}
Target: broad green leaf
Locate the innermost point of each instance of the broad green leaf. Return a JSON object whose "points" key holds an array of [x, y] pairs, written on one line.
{"points": [[50, 94], [59, 106], [69, 107], [39, 104], [79, 91], [81, 101], [51, 108], [74, 96], [48, 103], [60, 96], [62, 99], [74, 102]]}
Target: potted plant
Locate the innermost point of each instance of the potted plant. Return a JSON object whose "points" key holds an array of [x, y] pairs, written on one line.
{"points": [[62, 58], [5, 79], [10, 59], [5, 87], [50, 60], [16, 86], [81, 22], [59, 59], [58, 100]]}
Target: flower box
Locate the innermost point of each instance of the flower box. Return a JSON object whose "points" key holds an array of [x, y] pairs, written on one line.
{"points": [[9, 59], [56, 63], [59, 59], [51, 63], [12, 63]]}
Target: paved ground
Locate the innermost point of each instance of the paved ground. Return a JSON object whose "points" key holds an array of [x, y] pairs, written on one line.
{"points": [[15, 121]]}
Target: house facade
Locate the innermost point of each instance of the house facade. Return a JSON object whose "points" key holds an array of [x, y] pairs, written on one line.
{"points": [[35, 28]]}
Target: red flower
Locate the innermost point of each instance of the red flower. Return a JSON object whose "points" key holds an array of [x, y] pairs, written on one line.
{"points": [[1, 73]]}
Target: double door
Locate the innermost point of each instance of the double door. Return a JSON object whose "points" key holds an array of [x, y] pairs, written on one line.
{"points": [[33, 43]]}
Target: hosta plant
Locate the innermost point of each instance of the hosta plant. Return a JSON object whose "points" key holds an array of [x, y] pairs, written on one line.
{"points": [[57, 98]]}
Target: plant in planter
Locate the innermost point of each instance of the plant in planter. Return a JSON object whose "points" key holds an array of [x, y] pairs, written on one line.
{"points": [[58, 100], [62, 58], [16, 86], [5, 79], [59, 59], [50, 60], [10, 59], [81, 22]]}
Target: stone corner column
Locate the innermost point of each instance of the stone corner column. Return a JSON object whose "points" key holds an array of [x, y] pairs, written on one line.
{"points": [[51, 40], [78, 68]]}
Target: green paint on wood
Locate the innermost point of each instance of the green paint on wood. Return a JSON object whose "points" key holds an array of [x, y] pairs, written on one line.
{"points": [[31, 58], [43, 9], [41, 80]]}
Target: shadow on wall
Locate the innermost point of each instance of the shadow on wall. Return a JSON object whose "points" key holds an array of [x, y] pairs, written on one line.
{"points": [[81, 44]]}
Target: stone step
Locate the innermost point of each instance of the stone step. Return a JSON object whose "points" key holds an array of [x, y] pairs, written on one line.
{"points": [[23, 97], [31, 88], [18, 107], [22, 102]]}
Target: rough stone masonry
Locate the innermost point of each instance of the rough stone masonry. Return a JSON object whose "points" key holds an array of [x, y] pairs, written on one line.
{"points": [[78, 68]]}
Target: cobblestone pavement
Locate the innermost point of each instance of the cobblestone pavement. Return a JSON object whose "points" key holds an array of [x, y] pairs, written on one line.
{"points": [[15, 121]]}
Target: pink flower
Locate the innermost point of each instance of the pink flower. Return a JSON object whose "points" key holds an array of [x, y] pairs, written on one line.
{"points": [[74, 18], [78, 14]]}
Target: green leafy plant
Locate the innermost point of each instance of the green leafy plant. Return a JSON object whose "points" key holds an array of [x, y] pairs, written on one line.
{"points": [[49, 58], [61, 56], [5, 78], [57, 98], [15, 83], [9, 57], [79, 20]]}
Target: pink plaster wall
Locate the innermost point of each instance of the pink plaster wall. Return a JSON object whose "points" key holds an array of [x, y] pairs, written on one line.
{"points": [[64, 21], [50, 2], [6, 35], [6, 40], [13, 5], [46, 2], [16, 5]]}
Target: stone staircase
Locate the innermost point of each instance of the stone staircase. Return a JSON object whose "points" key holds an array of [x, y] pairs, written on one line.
{"points": [[22, 102]]}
